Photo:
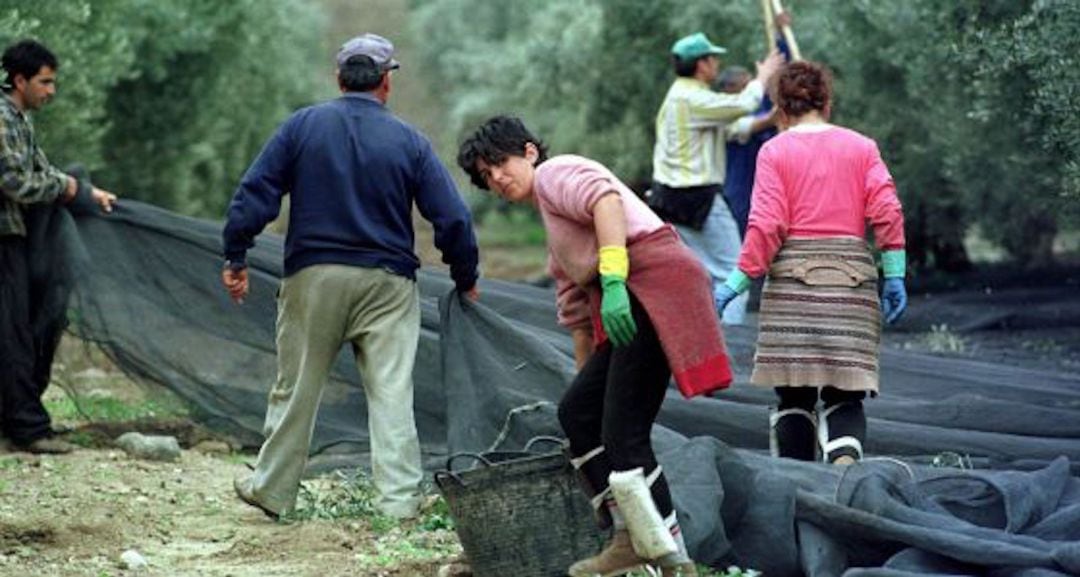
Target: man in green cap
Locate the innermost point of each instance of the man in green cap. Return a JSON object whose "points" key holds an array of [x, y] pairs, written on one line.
{"points": [[689, 157]]}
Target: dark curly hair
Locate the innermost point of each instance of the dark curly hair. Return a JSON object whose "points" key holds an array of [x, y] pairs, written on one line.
{"points": [[802, 87], [495, 140], [26, 58]]}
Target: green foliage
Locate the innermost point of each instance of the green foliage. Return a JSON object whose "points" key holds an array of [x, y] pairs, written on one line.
{"points": [[951, 459], [338, 497], [973, 102], [941, 340], [167, 101], [110, 410], [215, 80], [1023, 108], [94, 50], [504, 226], [539, 47], [438, 517]]}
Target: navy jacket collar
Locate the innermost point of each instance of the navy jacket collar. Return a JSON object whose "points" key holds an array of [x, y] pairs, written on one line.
{"points": [[362, 96]]}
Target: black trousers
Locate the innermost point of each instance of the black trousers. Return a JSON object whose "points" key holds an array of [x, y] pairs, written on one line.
{"points": [[613, 402], [796, 438], [806, 397], [24, 364]]}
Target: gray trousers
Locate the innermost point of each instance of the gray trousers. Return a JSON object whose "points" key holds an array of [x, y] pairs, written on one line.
{"points": [[321, 308], [718, 244]]}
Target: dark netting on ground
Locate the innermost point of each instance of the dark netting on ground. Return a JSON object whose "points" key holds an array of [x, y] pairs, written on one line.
{"points": [[488, 376]]}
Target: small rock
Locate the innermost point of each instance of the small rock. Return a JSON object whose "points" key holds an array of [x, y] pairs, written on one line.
{"points": [[132, 559], [456, 569], [213, 448], [91, 373], [151, 447]]}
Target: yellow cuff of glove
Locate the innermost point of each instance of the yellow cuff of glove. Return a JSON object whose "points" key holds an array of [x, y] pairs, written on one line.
{"points": [[614, 261]]}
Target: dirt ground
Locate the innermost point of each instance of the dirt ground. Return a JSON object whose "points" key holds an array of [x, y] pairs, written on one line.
{"points": [[76, 515]]}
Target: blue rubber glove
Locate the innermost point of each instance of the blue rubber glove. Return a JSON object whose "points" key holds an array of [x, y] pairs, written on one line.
{"points": [[615, 312], [893, 299], [724, 296]]}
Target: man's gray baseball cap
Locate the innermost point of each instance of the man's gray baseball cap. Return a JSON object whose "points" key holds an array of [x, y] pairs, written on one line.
{"points": [[375, 47]]}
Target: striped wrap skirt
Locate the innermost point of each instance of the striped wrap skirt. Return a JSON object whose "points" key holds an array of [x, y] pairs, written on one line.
{"points": [[820, 319]]}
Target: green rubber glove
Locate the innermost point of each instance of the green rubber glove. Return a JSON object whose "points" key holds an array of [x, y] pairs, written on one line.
{"points": [[615, 311]]}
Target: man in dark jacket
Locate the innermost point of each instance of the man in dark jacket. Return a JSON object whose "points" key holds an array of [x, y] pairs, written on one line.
{"points": [[353, 172], [28, 182]]}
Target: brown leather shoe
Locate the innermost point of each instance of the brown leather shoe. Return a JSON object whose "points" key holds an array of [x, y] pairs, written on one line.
{"points": [[243, 490], [49, 446], [617, 558]]}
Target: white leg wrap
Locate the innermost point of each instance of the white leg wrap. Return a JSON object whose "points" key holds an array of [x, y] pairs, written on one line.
{"points": [[649, 534], [774, 418], [829, 445], [577, 462], [597, 500]]}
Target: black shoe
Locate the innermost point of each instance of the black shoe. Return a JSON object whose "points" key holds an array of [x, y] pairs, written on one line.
{"points": [[49, 446]]}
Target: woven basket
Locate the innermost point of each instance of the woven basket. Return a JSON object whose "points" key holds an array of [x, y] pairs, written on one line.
{"points": [[519, 514]]}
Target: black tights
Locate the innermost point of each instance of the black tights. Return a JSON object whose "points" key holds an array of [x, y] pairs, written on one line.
{"points": [[613, 402], [796, 436], [806, 397]]}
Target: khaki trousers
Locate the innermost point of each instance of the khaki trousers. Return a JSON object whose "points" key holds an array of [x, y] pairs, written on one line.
{"points": [[319, 309]]}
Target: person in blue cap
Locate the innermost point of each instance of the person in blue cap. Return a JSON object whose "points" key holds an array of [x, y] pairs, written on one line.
{"points": [[354, 172], [689, 160]]}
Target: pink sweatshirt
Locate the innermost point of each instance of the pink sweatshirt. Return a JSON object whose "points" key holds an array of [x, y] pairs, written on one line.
{"points": [[567, 187], [819, 181]]}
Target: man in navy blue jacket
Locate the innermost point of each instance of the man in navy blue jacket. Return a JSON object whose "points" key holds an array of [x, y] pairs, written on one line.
{"points": [[353, 171]]}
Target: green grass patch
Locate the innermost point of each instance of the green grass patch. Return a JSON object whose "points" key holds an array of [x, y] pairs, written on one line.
{"points": [[339, 497], [82, 439], [940, 340], [238, 458], [105, 409], [437, 517], [343, 497]]}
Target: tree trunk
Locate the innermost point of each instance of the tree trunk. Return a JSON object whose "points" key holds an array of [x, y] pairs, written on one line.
{"points": [[1035, 246]]}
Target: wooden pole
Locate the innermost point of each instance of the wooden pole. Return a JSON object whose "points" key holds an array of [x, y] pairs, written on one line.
{"points": [[770, 24], [789, 36]]}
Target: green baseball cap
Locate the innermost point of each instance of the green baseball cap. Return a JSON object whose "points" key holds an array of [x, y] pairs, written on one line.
{"points": [[695, 46]]}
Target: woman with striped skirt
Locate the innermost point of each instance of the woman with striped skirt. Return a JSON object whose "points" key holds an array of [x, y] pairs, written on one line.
{"points": [[816, 187]]}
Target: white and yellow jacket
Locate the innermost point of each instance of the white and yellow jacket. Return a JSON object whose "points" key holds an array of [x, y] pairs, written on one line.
{"points": [[690, 131]]}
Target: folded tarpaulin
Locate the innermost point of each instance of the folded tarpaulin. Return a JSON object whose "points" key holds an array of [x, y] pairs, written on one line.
{"points": [[489, 375]]}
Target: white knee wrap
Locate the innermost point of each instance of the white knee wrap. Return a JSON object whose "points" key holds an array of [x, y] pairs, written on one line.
{"points": [[597, 500], [774, 418], [829, 445], [649, 534]]}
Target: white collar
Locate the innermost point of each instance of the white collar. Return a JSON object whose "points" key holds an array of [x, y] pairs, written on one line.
{"points": [[811, 127]]}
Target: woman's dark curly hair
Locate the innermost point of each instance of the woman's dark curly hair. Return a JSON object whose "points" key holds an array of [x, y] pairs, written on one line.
{"points": [[495, 140], [802, 87]]}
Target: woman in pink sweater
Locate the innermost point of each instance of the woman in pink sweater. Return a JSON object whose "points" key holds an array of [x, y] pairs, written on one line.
{"points": [[640, 309], [816, 188]]}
